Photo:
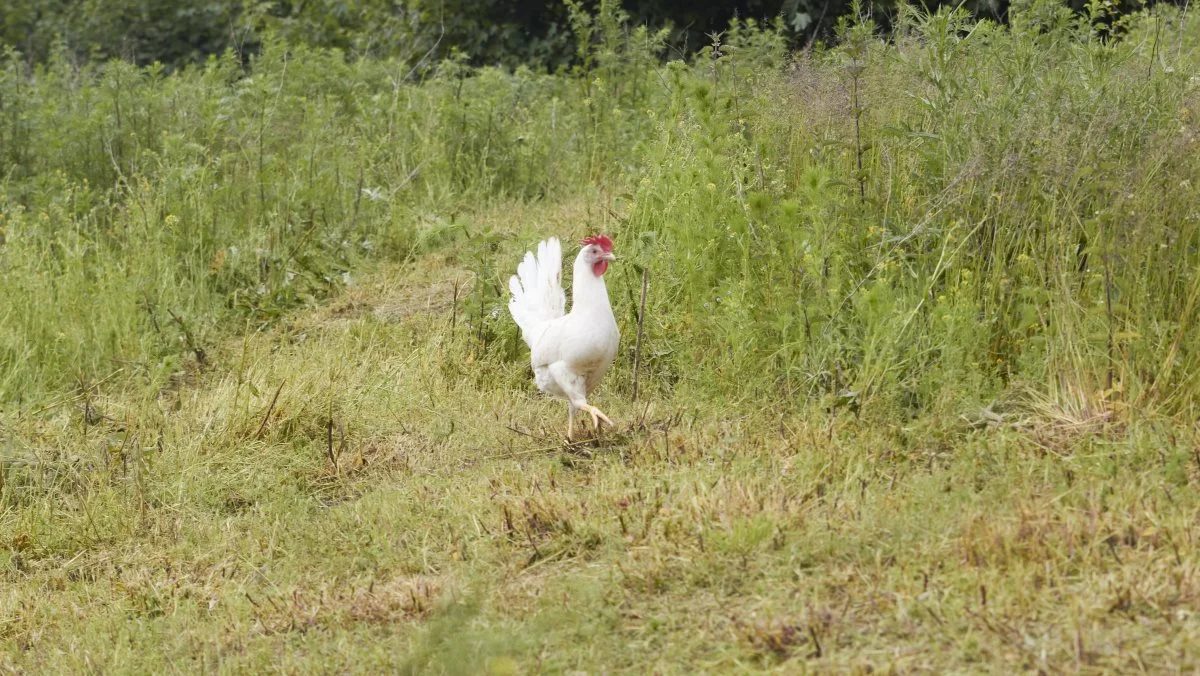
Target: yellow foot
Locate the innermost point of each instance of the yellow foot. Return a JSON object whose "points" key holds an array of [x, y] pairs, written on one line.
{"points": [[597, 415]]}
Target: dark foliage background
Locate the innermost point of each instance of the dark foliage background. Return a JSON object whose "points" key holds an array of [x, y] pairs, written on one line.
{"points": [[509, 32]]}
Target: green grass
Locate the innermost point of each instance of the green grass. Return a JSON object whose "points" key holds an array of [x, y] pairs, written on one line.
{"points": [[264, 410], [457, 533]]}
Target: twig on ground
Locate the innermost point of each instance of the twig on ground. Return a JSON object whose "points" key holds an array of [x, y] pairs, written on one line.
{"points": [[637, 349], [270, 408]]}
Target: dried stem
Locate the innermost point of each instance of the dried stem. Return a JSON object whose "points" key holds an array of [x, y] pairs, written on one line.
{"points": [[263, 425], [637, 349]]}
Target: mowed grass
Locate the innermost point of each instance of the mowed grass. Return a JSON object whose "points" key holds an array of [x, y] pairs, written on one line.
{"points": [[361, 488]]}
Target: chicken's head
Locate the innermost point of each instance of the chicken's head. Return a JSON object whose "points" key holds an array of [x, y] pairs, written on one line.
{"points": [[597, 251]]}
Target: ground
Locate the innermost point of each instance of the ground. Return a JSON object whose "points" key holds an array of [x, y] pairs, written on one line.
{"points": [[361, 487]]}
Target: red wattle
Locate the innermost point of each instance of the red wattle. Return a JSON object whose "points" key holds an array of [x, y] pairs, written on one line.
{"points": [[599, 267]]}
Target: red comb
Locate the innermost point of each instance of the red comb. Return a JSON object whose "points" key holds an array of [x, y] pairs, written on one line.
{"points": [[601, 240]]}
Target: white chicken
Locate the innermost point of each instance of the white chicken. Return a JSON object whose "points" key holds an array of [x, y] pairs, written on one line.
{"points": [[570, 351]]}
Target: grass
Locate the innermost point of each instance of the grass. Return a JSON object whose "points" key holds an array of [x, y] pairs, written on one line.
{"points": [[448, 528], [918, 374]]}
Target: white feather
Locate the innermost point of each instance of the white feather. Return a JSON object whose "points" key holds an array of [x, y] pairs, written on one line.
{"points": [[537, 293]]}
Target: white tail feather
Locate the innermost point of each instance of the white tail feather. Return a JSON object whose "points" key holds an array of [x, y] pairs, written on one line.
{"points": [[537, 293]]}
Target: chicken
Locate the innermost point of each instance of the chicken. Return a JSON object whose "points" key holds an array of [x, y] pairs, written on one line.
{"points": [[570, 351]]}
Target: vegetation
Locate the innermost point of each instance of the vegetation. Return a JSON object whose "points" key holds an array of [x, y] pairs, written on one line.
{"points": [[536, 33], [917, 384]]}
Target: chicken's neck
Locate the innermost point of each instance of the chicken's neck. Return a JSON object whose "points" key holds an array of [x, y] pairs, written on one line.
{"points": [[588, 292]]}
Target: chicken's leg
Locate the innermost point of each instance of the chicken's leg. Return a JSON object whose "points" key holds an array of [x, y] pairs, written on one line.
{"points": [[574, 387]]}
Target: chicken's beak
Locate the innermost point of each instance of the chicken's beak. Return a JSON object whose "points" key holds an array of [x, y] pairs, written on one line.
{"points": [[607, 256]]}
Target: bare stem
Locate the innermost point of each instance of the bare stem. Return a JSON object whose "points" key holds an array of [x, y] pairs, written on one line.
{"points": [[637, 349]]}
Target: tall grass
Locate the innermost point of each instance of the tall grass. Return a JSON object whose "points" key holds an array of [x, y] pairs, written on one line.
{"points": [[930, 220], [141, 210], [1025, 218]]}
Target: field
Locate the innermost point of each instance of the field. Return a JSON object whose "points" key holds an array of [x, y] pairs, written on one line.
{"points": [[917, 388]]}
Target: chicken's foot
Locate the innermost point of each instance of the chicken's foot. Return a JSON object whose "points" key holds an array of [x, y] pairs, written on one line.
{"points": [[597, 415]]}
